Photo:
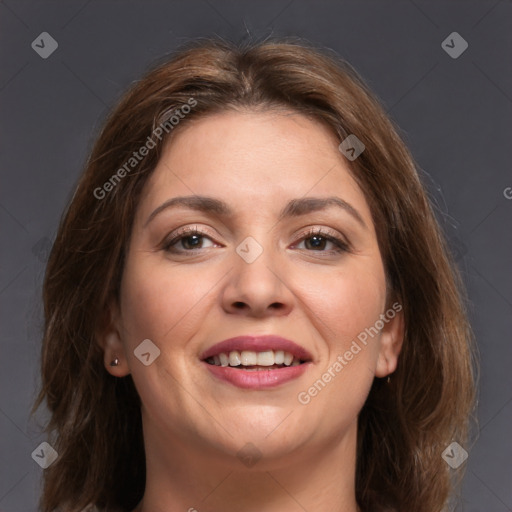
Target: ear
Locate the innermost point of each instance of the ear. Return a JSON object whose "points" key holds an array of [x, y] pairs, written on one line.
{"points": [[391, 341], [110, 340]]}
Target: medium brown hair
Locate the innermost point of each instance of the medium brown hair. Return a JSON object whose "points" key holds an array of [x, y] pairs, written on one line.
{"points": [[404, 426]]}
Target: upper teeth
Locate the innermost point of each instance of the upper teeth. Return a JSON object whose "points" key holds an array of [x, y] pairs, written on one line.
{"points": [[252, 358]]}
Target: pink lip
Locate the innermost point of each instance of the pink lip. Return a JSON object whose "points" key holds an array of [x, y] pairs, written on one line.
{"points": [[260, 379], [257, 344]]}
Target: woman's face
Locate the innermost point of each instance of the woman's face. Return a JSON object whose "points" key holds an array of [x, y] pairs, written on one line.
{"points": [[264, 263]]}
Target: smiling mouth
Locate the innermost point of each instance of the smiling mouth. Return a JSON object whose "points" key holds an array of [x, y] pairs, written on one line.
{"points": [[250, 360]]}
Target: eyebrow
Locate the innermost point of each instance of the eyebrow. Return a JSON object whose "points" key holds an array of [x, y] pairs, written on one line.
{"points": [[294, 208]]}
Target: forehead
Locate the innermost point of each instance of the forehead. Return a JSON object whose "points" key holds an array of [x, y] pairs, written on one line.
{"points": [[261, 159]]}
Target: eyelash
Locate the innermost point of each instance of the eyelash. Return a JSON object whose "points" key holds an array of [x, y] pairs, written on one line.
{"points": [[341, 245]]}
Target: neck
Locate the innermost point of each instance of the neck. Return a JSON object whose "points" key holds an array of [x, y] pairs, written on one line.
{"points": [[183, 477]]}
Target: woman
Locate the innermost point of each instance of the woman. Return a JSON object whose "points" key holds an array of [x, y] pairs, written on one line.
{"points": [[249, 303]]}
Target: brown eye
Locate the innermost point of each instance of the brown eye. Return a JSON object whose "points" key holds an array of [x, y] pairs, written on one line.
{"points": [[191, 241], [316, 240], [187, 240]]}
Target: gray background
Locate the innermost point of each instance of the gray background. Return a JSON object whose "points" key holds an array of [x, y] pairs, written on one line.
{"points": [[455, 115]]}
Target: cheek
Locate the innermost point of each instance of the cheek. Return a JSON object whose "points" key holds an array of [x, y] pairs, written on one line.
{"points": [[164, 304], [350, 304], [160, 302], [344, 304], [346, 301]]}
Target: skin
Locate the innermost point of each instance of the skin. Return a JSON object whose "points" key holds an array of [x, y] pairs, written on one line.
{"points": [[194, 424]]}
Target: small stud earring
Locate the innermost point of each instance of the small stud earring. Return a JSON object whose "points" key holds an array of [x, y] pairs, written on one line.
{"points": [[115, 362], [388, 380]]}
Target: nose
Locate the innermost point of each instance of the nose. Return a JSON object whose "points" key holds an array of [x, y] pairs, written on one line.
{"points": [[258, 289]]}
